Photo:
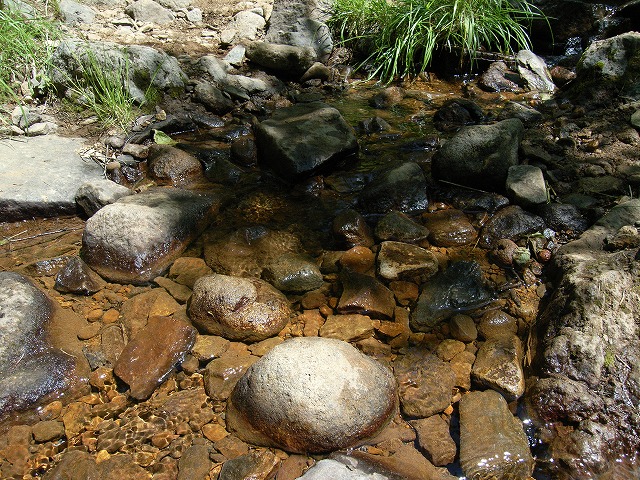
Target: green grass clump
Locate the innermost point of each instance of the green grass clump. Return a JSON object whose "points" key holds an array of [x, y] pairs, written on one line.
{"points": [[400, 38], [25, 51], [105, 91]]}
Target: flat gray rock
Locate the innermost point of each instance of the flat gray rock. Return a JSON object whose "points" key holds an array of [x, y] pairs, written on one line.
{"points": [[74, 13], [39, 176]]}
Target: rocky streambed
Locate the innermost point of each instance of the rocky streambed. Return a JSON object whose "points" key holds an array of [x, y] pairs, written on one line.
{"points": [[332, 279]]}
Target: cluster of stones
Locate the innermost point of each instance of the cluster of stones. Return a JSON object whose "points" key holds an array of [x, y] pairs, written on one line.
{"points": [[270, 361]]}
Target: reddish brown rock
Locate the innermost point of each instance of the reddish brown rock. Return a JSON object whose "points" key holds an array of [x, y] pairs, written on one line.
{"points": [[245, 309], [186, 270], [173, 166], [435, 440], [425, 383], [222, 374], [365, 295], [77, 277], [499, 366], [150, 356], [256, 465], [449, 228], [350, 229], [349, 328], [137, 310], [487, 431]]}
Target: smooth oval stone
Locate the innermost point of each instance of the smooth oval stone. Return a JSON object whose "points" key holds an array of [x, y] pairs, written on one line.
{"points": [[496, 323], [563, 216], [173, 166], [246, 309], [312, 395], [449, 228]]}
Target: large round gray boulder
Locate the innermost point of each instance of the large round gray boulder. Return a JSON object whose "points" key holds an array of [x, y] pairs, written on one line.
{"points": [[312, 395], [246, 309], [137, 238], [479, 156]]}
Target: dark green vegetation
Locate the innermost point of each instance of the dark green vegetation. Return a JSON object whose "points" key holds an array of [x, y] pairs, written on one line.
{"points": [[400, 38]]}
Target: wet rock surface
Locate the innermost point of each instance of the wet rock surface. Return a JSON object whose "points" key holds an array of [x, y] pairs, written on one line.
{"points": [[308, 395], [299, 140], [137, 238], [585, 341], [246, 309], [492, 440], [586, 157], [149, 357], [32, 369], [459, 288], [479, 156], [401, 188]]}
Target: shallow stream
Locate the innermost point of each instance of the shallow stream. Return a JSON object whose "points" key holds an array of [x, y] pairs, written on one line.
{"points": [[258, 200]]}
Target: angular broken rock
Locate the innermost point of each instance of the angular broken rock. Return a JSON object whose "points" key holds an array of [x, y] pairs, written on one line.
{"points": [[397, 260], [297, 141], [312, 394], [95, 194], [461, 287], [77, 277], [498, 366], [365, 295], [425, 383], [135, 239], [286, 59], [151, 355]]}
